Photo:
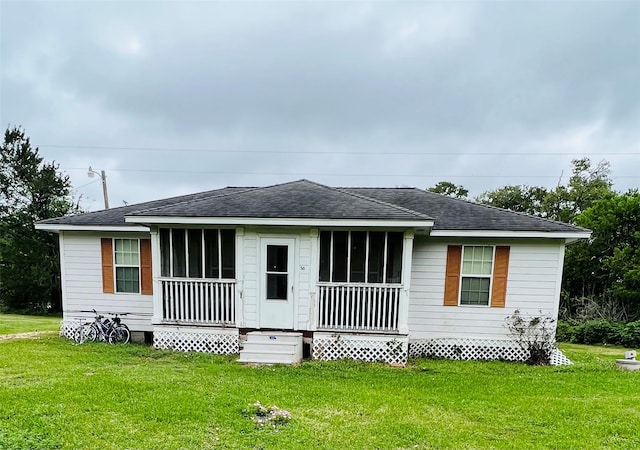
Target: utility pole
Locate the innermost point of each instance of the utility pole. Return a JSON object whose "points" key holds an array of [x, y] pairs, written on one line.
{"points": [[103, 177]]}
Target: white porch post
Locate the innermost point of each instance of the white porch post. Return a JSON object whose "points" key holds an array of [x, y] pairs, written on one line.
{"points": [[314, 269], [240, 277], [403, 307], [156, 271]]}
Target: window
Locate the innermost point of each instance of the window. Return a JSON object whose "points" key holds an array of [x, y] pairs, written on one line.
{"points": [[361, 256], [277, 272], [127, 265], [477, 268], [196, 253]]}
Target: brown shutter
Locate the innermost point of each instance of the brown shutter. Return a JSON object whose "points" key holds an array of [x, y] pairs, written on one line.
{"points": [[452, 277], [500, 273], [106, 245], [146, 277]]}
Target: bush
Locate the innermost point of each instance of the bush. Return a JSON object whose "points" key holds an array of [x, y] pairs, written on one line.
{"points": [[597, 332], [630, 335], [600, 331], [534, 335], [564, 331]]}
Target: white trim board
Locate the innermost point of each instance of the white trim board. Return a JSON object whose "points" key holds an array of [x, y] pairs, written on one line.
{"points": [[57, 228], [511, 234]]}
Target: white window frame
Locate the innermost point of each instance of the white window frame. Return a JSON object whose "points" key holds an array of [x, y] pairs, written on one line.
{"points": [[116, 266], [366, 258], [489, 276]]}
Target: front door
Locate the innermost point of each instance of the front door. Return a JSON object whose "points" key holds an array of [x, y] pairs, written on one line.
{"points": [[277, 291]]}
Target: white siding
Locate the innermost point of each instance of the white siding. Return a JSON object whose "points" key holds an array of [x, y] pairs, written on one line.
{"points": [[532, 286], [81, 266], [250, 282]]}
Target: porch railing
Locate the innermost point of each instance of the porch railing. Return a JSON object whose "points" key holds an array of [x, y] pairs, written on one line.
{"points": [[198, 301], [358, 307]]}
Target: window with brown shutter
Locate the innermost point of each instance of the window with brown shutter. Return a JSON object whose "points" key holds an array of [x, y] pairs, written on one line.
{"points": [[128, 268], [476, 275]]}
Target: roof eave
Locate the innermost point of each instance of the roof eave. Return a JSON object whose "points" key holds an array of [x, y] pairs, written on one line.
{"points": [[56, 228], [567, 235], [257, 221]]}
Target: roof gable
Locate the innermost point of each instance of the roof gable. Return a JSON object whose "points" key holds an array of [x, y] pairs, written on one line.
{"points": [[298, 199]]}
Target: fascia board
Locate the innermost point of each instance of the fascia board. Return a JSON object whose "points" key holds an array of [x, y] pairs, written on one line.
{"points": [[61, 227], [511, 234]]}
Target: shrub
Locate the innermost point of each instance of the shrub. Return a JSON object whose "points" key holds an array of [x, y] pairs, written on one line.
{"points": [[533, 334], [564, 331], [630, 335], [597, 332], [600, 332]]}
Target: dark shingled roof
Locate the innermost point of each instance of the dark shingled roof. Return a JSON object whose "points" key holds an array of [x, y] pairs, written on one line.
{"points": [[115, 216], [305, 199], [456, 214], [297, 200]]}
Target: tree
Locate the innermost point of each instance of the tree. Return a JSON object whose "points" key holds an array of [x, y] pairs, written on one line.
{"points": [[449, 189], [608, 266], [525, 199], [587, 184], [30, 190]]}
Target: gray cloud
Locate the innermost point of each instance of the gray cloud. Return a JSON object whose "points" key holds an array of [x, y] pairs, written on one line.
{"points": [[395, 78]]}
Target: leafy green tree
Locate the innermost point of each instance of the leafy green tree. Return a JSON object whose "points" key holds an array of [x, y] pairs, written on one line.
{"points": [[449, 189], [608, 266], [587, 184], [30, 190], [525, 199]]}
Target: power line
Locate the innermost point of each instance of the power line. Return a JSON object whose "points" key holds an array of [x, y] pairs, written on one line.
{"points": [[330, 152], [298, 174]]}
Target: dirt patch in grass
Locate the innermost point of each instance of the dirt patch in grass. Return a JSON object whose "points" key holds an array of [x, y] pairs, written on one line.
{"points": [[29, 335]]}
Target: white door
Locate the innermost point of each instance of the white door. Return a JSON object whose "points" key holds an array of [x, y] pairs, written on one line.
{"points": [[277, 292]]}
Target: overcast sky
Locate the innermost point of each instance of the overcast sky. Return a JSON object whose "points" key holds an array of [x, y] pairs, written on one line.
{"points": [[175, 97]]}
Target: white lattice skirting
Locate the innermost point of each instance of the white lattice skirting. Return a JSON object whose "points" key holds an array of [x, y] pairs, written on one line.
{"points": [[384, 348], [69, 326], [478, 349], [191, 339]]}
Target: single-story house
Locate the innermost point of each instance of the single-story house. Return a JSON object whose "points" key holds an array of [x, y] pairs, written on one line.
{"points": [[365, 273]]}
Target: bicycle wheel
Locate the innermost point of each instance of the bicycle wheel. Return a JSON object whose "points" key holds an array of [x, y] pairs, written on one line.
{"points": [[120, 334], [86, 332]]}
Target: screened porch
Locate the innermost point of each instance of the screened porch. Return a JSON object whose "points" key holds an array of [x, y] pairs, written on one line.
{"points": [[197, 283], [360, 281]]}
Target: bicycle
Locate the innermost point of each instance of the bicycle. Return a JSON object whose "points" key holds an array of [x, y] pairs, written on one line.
{"points": [[110, 330]]}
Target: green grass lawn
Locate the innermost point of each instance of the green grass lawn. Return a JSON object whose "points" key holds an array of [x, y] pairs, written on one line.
{"points": [[54, 394], [14, 323]]}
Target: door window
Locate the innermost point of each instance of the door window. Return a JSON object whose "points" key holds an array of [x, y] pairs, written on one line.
{"points": [[277, 272]]}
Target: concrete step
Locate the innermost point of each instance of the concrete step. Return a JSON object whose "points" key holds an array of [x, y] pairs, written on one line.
{"points": [[267, 347], [277, 357], [271, 347]]}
